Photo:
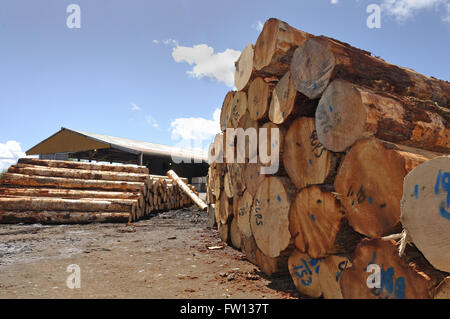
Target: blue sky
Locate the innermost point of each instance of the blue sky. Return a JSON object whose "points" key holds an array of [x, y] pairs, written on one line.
{"points": [[159, 70]]}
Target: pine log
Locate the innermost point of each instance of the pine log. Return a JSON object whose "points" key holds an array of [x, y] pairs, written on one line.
{"points": [[443, 290], [253, 177], [67, 193], [370, 184], [228, 186], [318, 225], [398, 279], [320, 60], [224, 209], [275, 46], [245, 204], [71, 183], [425, 210], [237, 174], [269, 218], [225, 112], [33, 170], [244, 68], [331, 269], [235, 234], [259, 94], [49, 217], [271, 266], [287, 102], [238, 108], [248, 246], [211, 216], [250, 147], [197, 200], [218, 184], [304, 271], [269, 143], [224, 231], [347, 112], [58, 204], [305, 159], [84, 166]]}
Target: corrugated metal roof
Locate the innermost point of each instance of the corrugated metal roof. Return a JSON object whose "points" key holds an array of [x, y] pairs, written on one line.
{"points": [[137, 147]]}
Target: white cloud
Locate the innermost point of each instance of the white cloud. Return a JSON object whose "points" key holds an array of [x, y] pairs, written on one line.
{"points": [[171, 41], [258, 26], [155, 41], [9, 154], [197, 129], [151, 121], [334, 1], [135, 107], [405, 9], [219, 66]]}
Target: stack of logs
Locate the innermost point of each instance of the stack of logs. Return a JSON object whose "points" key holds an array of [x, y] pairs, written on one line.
{"points": [[54, 192], [351, 127]]}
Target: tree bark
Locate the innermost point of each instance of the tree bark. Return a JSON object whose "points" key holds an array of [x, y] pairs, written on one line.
{"points": [[319, 60], [347, 112]]}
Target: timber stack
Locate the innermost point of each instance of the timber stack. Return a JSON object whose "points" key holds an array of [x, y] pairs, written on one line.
{"points": [[348, 128], [64, 192]]}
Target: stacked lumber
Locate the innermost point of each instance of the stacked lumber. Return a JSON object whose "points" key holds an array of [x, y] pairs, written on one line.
{"points": [[54, 192], [348, 128]]}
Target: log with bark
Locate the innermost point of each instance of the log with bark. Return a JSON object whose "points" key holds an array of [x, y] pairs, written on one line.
{"points": [[425, 210], [259, 94], [275, 46], [269, 217], [244, 68], [245, 204], [238, 108], [35, 170], [304, 272], [319, 60], [287, 102], [270, 265], [330, 273], [63, 217], [20, 180], [235, 234], [347, 112], [197, 200], [398, 279], [84, 166], [318, 225], [305, 159], [370, 184], [253, 177], [226, 110]]}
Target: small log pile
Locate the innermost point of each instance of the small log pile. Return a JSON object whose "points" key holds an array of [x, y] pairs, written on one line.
{"points": [[348, 128], [62, 192]]}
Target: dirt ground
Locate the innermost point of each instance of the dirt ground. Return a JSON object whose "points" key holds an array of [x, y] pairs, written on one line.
{"points": [[164, 256]]}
